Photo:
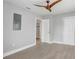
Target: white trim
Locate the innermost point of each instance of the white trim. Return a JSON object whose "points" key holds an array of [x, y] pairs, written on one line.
{"points": [[46, 41], [49, 42], [17, 50], [59, 42]]}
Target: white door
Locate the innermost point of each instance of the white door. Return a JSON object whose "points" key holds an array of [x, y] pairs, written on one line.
{"points": [[69, 23], [45, 30]]}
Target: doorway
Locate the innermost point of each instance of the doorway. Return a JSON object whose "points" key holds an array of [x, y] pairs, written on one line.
{"points": [[45, 33], [38, 33], [42, 32]]}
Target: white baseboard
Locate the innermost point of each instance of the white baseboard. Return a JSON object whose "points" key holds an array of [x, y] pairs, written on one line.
{"points": [[46, 42], [62, 43], [59, 42], [17, 50]]}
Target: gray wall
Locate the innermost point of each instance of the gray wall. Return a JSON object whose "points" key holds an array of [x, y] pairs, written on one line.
{"points": [[17, 39], [59, 27]]}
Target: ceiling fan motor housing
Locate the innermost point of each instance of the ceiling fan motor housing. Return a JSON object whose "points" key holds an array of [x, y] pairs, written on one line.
{"points": [[47, 1]]}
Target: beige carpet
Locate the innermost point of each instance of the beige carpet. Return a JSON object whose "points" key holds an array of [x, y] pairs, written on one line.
{"points": [[46, 51]]}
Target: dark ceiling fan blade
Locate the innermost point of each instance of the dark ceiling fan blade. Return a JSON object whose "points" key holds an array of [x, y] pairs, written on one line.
{"points": [[49, 10], [55, 2], [39, 5]]}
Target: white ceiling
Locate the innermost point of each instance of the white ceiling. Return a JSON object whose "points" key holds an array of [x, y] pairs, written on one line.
{"points": [[61, 7]]}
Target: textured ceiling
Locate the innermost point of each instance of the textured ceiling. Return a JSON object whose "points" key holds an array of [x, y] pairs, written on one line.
{"points": [[61, 7]]}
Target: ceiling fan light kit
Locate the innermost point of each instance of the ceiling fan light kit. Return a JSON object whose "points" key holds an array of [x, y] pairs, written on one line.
{"points": [[49, 6]]}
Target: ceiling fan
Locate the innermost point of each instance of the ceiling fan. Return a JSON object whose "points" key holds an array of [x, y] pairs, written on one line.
{"points": [[48, 7]]}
